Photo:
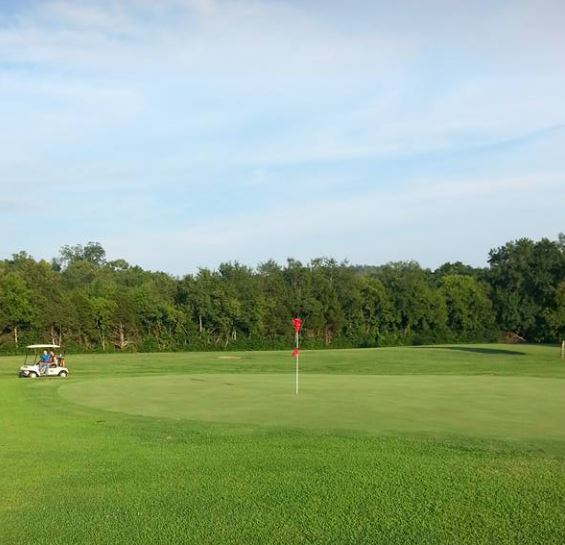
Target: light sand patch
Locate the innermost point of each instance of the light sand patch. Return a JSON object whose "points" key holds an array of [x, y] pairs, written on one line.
{"points": [[229, 357]]}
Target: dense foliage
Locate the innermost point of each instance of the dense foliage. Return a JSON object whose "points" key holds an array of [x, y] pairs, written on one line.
{"points": [[86, 302]]}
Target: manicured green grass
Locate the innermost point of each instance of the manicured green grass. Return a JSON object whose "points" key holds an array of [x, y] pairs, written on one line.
{"points": [[474, 406], [457, 445]]}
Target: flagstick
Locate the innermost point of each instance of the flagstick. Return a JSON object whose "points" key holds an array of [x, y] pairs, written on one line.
{"points": [[297, 363], [297, 323]]}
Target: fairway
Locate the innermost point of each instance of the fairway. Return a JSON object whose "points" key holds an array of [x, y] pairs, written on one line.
{"points": [[476, 406], [459, 445]]}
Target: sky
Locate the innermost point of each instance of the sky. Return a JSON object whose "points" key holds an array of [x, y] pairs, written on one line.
{"points": [[186, 133]]}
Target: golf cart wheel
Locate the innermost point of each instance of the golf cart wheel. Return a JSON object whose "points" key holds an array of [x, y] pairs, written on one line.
{"points": [[63, 374], [33, 374]]}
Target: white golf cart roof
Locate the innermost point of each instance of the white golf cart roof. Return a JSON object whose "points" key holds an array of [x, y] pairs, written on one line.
{"points": [[43, 346]]}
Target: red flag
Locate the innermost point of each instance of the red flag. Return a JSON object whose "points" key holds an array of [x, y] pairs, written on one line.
{"points": [[295, 353], [297, 323]]}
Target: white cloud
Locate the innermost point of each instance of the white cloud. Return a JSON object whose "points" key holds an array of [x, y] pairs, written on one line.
{"points": [[338, 93], [389, 219], [138, 100]]}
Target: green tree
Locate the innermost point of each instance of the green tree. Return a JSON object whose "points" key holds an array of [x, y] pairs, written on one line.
{"points": [[557, 316], [16, 309], [421, 312], [470, 316], [524, 276], [275, 304], [92, 252]]}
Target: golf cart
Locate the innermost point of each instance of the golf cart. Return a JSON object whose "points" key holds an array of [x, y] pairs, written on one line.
{"points": [[43, 366]]}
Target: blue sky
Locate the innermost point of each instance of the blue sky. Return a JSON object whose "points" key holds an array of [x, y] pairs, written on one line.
{"points": [[184, 133]]}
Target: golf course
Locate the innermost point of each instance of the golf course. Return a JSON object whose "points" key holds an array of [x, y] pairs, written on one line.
{"points": [[461, 444]]}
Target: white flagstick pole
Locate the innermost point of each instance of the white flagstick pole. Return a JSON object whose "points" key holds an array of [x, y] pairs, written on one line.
{"points": [[297, 363]]}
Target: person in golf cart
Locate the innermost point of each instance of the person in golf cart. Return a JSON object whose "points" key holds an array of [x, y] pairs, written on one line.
{"points": [[47, 365], [44, 362]]}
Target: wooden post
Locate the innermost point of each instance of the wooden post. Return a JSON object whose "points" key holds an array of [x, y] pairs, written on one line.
{"points": [[563, 350]]}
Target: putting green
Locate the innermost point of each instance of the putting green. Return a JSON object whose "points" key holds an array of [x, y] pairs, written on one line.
{"points": [[481, 406]]}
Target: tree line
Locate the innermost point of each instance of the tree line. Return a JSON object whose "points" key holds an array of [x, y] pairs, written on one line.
{"points": [[88, 303]]}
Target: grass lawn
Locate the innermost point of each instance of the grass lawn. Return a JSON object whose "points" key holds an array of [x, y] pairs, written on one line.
{"points": [[452, 444]]}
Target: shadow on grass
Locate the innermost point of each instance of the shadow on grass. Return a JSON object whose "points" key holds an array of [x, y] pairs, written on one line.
{"points": [[492, 351]]}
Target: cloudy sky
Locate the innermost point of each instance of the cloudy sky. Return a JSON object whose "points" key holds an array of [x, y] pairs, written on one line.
{"points": [[184, 133]]}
